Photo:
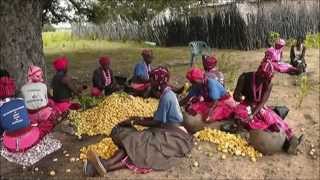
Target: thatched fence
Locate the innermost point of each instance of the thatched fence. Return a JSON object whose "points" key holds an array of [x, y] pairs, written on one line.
{"points": [[225, 28]]}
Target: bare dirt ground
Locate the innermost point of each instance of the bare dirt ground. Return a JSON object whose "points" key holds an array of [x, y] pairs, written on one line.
{"points": [[280, 166]]}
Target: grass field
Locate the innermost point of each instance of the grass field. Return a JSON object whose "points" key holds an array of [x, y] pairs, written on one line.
{"points": [[84, 54]]}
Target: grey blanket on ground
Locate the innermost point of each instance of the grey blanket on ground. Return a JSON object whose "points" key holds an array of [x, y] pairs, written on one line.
{"points": [[155, 148]]}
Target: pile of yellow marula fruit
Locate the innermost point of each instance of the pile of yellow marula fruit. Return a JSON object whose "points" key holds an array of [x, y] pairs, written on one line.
{"points": [[120, 106], [113, 109], [232, 144]]}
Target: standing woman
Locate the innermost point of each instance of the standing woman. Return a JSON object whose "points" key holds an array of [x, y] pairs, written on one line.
{"points": [[103, 79], [252, 91], [210, 67], [297, 55], [157, 148], [63, 86]]}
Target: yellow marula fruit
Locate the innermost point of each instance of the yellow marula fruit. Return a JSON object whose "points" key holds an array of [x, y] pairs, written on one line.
{"points": [[112, 110], [104, 149], [228, 143]]}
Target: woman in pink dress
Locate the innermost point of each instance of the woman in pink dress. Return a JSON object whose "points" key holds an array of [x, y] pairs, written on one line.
{"points": [[252, 91]]}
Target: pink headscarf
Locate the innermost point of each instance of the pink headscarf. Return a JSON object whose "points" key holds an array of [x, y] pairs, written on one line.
{"points": [[103, 60], [160, 75], [195, 74], [35, 74], [266, 70], [209, 63], [280, 44], [61, 63]]}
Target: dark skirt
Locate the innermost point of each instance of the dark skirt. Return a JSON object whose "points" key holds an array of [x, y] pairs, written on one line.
{"points": [[153, 148]]}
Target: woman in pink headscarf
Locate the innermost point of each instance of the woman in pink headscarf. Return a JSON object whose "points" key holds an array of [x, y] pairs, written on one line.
{"points": [[208, 98], [103, 79], [210, 67], [63, 86], [275, 54], [252, 91], [42, 111]]}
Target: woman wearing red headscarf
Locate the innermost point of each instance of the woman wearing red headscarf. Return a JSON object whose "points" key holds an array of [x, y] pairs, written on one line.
{"points": [[269, 133], [63, 86], [209, 65], [207, 97], [103, 79], [140, 82], [158, 147]]}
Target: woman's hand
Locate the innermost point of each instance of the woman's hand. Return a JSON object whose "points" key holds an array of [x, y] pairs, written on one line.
{"points": [[126, 123]]}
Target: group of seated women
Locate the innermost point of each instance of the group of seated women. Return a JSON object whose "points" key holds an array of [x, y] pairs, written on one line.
{"points": [[169, 136]]}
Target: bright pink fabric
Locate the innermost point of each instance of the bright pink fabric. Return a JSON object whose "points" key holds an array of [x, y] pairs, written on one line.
{"points": [[61, 63], [140, 86], [35, 74], [222, 111], [125, 161], [209, 63], [22, 140], [283, 67], [95, 92], [195, 74], [160, 75], [63, 106], [104, 60], [265, 119]]}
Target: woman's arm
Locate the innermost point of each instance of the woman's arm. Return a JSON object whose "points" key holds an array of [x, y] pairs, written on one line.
{"points": [[69, 82], [147, 122], [303, 53], [237, 95], [96, 80], [263, 101], [292, 55]]}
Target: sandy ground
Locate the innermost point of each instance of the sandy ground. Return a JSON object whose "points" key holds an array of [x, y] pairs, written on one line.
{"points": [[280, 166]]}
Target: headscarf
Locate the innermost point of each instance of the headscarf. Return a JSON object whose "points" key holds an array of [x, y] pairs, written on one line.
{"points": [[146, 53], [61, 63], [209, 62], [7, 87], [35, 74], [104, 60], [195, 74], [266, 70], [280, 44], [160, 75]]}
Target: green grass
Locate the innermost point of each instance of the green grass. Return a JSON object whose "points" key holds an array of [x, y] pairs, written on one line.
{"points": [[84, 54]]}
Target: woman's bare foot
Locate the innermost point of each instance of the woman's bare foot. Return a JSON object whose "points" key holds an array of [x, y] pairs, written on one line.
{"points": [[95, 161]]}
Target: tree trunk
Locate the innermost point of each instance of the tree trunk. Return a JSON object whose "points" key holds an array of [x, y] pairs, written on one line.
{"points": [[20, 37]]}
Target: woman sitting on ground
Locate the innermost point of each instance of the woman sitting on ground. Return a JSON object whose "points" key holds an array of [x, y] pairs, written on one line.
{"points": [[42, 111], [63, 86], [210, 67], [156, 148], [208, 98], [103, 79], [297, 55], [269, 133], [140, 82], [275, 55]]}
